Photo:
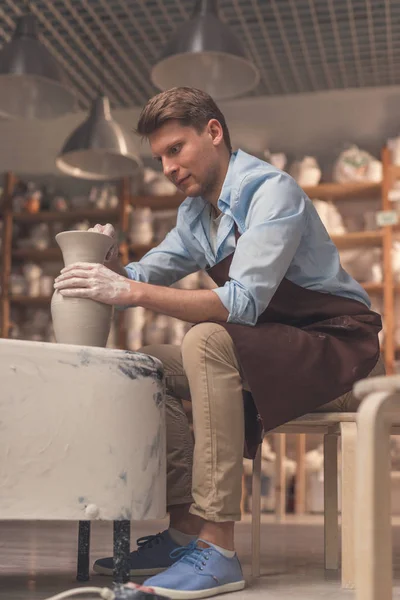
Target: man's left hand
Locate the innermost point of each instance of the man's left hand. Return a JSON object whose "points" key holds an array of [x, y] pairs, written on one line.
{"points": [[96, 282]]}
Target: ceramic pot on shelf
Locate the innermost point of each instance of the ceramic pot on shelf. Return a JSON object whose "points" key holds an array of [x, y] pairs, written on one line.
{"points": [[81, 321]]}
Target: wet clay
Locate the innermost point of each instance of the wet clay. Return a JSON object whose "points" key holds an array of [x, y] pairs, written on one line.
{"points": [[81, 321]]}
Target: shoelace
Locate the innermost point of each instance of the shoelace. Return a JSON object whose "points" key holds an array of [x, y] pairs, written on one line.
{"points": [[189, 554], [148, 541]]}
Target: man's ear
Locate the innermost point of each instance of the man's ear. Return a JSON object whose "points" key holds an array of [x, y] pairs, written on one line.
{"points": [[215, 131]]}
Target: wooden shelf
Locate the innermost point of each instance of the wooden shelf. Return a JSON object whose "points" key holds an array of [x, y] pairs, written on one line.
{"points": [[343, 190], [67, 216], [54, 254], [358, 238], [38, 301], [31, 300], [34, 255], [372, 286], [347, 240], [139, 250], [95, 214], [167, 202], [322, 191]]}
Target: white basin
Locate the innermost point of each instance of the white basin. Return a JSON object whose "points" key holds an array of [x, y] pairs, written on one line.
{"points": [[82, 433]]}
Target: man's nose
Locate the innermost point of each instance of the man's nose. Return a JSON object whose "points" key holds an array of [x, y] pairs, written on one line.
{"points": [[169, 168]]}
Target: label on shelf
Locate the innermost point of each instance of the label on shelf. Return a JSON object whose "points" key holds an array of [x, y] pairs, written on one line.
{"points": [[387, 217]]}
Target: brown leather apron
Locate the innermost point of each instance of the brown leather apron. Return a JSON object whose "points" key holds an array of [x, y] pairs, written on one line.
{"points": [[307, 349]]}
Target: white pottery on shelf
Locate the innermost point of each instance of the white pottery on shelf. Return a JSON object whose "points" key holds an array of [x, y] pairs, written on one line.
{"points": [[79, 320], [355, 164], [306, 171]]}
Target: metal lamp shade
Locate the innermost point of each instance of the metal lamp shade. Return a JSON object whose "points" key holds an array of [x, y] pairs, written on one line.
{"points": [[32, 84], [204, 53], [99, 149]]}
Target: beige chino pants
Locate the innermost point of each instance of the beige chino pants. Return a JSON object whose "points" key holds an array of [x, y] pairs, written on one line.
{"points": [[206, 371]]}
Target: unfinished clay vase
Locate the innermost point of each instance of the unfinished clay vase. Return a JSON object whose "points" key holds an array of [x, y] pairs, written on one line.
{"points": [[79, 320]]}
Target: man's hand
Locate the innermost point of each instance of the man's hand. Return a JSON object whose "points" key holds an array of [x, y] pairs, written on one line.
{"points": [[96, 282], [111, 260], [108, 229]]}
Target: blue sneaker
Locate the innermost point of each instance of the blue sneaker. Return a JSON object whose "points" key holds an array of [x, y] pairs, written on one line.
{"points": [[199, 573], [152, 556]]}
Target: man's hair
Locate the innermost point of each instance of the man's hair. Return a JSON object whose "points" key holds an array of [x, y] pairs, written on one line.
{"points": [[190, 106]]}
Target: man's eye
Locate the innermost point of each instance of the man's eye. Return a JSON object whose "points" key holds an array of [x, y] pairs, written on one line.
{"points": [[175, 149]]}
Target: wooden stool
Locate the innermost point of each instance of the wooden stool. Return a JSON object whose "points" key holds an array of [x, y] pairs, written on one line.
{"points": [[331, 425]]}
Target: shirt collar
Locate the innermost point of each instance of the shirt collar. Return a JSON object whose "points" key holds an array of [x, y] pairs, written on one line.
{"points": [[224, 200]]}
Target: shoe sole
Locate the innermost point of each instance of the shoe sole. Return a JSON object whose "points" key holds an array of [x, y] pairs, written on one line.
{"points": [[190, 595], [133, 572]]}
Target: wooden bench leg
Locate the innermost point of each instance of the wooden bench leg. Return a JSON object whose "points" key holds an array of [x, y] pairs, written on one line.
{"points": [[280, 476], [256, 515], [374, 576], [331, 525], [300, 490], [348, 444]]}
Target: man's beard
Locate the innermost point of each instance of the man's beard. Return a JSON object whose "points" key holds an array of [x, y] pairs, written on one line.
{"points": [[210, 185]]}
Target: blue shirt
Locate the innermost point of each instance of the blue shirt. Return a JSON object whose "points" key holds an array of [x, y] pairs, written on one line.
{"points": [[281, 236]]}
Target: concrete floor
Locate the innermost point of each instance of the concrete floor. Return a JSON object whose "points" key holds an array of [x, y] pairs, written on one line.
{"points": [[37, 559]]}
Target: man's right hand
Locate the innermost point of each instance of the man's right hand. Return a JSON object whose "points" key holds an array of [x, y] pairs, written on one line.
{"points": [[108, 229]]}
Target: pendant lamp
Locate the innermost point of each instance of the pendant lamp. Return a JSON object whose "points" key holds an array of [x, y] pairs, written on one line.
{"points": [[32, 83], [204, 53], [99, 149]]}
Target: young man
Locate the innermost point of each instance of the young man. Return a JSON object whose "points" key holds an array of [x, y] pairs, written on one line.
{"points": [[285, 321]]}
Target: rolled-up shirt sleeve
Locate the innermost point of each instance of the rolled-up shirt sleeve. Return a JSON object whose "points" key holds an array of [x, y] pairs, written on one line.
{"points": [[165, 264], [275, 223]]}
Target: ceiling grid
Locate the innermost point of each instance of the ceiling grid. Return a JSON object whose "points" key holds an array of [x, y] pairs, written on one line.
{"points": [[298, 45], [74, 58], [252, 46]]}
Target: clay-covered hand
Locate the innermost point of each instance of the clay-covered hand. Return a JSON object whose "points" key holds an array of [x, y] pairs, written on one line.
{"points": [[108, 229], [96, 282]]}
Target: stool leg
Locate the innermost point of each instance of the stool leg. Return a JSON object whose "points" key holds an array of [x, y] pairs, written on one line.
{"points": [[331, 525], [83, 551], [374, 563], [280, 476], [300, 491], [349, 441], [122, 544], [256, 515]]}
